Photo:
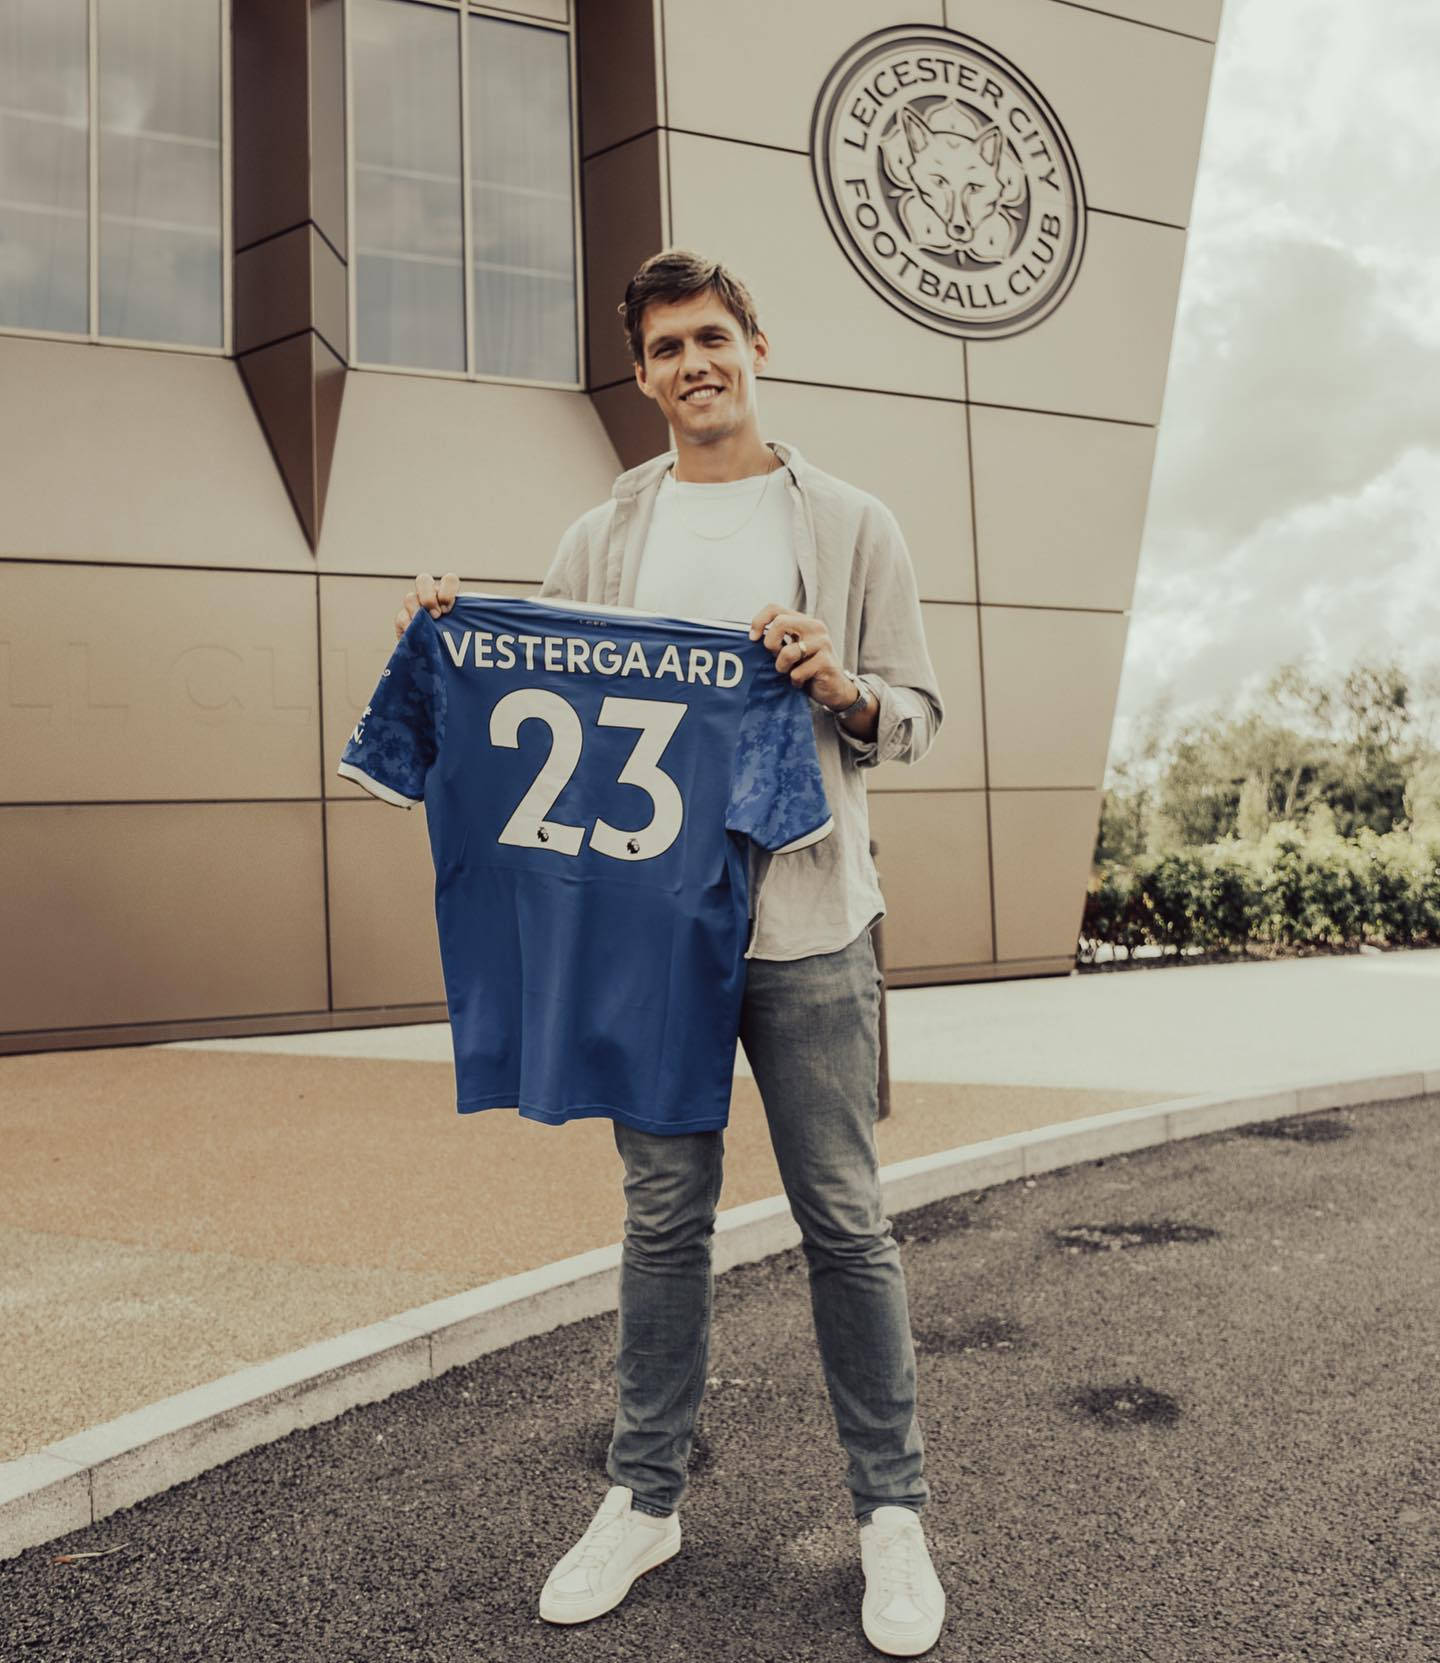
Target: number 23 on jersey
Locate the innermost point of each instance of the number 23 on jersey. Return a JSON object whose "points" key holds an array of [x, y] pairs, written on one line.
{"points": [[529, 826]]}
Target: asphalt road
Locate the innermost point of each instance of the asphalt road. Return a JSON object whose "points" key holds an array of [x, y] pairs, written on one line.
{"points": [[1223, 1445]]}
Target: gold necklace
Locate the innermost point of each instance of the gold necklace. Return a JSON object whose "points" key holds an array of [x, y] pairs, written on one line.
{"points": [[725, 536]]}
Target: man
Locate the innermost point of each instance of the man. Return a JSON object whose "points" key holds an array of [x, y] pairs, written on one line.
{"points": [[728, 526]]}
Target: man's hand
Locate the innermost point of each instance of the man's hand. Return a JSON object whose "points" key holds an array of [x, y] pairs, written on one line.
{"points": [[434, 598], [803, 650]]}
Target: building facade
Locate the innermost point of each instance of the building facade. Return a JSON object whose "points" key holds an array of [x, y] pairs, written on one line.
{"points": [[301, 297]]}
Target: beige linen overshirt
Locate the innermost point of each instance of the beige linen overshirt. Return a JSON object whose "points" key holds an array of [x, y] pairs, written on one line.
{"points": [[856, 576]]}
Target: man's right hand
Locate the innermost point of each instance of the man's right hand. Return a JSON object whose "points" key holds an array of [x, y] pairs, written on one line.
{"points": [[435, 598]]}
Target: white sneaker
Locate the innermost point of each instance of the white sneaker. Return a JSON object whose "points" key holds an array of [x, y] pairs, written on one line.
{"points": [[619, 1544], [904, 1605]]}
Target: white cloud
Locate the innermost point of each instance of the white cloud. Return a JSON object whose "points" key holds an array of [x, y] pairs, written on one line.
{"points": [[1295, 506], [1332, 581]]}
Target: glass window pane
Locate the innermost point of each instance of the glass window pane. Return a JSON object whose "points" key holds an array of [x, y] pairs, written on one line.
{"points": [[522, 202], [409, 242], [160, 203], [44, 165]]}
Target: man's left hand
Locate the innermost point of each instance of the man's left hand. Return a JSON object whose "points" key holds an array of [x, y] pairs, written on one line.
{"points": [[803, 650]]}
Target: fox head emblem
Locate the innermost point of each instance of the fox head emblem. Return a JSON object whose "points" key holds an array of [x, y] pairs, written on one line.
{"points": [[956, 182]]}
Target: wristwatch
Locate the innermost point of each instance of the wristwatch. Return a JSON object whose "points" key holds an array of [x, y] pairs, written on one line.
{"points": [[861, 701]]}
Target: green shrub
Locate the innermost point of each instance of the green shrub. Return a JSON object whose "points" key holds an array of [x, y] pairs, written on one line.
{"points": [[1229, 911], [1297, 886]]}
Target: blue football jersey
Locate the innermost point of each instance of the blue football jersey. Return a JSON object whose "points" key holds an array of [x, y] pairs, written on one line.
{"points": [[592, 779]]}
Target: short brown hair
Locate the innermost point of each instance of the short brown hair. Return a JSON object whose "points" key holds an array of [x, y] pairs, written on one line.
{"points": [[676, 274]]}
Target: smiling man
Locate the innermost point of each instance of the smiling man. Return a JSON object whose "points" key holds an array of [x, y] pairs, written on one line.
{"points": [[728, 526]]}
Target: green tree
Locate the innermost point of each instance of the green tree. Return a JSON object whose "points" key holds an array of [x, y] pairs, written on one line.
{"points": [[1422, 797], [1252, 817], [1376, 750]]}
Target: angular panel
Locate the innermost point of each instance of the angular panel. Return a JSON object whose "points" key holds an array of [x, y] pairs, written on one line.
{"points": [[166, 912], [1138, 146], [934, 872], [757, 211], [910, 452], [615, 59], [330, 379], [1044, 846], [1105, 349], [438, 475], [1059, 507], [1050, 685], [330, 309], [138, 683], [384, 949], [956, 761], [327, 120], [296, 386], [286, 284], [271, 66], [779, 55], [636, 428], [272, 289], [114, 454], [624, 225], [357, 627]]}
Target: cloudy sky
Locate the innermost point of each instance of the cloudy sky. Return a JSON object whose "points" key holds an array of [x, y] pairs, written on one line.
{"points": [[1295, 506]]}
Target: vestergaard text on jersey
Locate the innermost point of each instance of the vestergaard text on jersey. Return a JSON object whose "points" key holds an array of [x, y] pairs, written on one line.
{"points": [[572, 655]]}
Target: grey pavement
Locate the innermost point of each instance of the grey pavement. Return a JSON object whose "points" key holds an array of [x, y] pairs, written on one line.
{"points": [[1223, 1445], [1176, 1031]]}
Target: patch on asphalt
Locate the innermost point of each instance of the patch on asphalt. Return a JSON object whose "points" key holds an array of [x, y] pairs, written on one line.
{"points": [[1300, 1128], [830, 1544], [935, 1218], [984, 1334], [1130, 1404], [1108, 1238]]}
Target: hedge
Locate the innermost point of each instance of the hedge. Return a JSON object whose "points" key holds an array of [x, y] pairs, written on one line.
{"points": [[1294, 888]]}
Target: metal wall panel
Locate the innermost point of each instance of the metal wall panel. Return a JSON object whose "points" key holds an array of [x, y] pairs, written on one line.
{"points": [[384, 946], [956, 759], [113, 453], [1050, 685], [161, 912], [130, 684], [1042, 841], [910, 452], [935, 870], [439, 475], [1059, 507]]}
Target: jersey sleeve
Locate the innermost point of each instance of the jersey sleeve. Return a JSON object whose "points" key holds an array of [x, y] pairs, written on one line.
{"points": [[777, 798], [397, 737]]}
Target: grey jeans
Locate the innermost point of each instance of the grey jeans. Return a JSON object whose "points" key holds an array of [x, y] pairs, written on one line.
{"points": [[810, 1028]]}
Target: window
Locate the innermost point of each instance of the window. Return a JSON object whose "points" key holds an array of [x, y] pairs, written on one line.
{"points": [[113, 230], [427, 206]]}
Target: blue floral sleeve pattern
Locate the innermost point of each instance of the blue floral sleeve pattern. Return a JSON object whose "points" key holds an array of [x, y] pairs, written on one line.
{"points": [[777, 798], [398, 735]]}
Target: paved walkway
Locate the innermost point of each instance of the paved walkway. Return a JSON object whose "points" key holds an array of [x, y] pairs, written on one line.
{"points": [[1222, 1446], [173, 1213]]}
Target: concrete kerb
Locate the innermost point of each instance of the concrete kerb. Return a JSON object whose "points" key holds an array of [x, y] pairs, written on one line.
{"points": [[84, 1478]]}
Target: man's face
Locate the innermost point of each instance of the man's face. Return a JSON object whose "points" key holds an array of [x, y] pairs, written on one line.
{"points": [[699, 367]]}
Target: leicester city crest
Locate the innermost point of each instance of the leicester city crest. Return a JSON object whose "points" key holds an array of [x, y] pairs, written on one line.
{"points": [[948, 181]]}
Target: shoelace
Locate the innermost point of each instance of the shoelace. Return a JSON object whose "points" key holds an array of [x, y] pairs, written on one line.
{"points": [[898, 1562], [600, 1545]]}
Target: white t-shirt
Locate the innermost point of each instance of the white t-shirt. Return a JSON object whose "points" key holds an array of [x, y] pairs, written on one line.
{"points": [[684, 574]]}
